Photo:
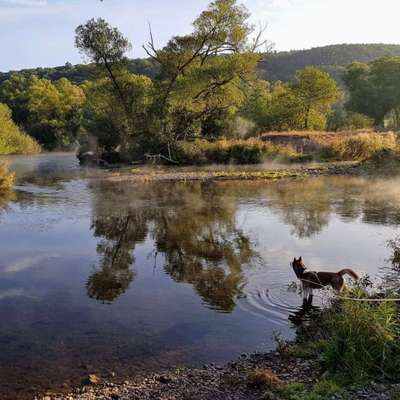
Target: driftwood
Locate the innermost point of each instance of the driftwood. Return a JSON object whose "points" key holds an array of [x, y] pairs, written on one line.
{"points": [[156, 158]]}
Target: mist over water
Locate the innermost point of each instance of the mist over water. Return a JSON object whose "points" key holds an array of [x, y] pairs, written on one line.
{"points": [[100, 276]]}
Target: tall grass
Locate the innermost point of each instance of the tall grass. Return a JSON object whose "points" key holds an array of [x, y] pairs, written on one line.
{"points": [[358, 147], [363, 340], [251, 151], [12, 139]]}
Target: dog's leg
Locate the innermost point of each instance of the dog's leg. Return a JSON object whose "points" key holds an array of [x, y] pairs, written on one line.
{"points": [[304, 290], [310, 296]]}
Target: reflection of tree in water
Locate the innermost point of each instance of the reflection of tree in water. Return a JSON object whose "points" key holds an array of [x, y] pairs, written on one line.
{"points": [[119, 236], [307, 205], [193, 226]]}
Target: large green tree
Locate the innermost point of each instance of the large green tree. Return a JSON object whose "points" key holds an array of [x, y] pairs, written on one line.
{"points": [[203, 74], [374, 89], [316, 92]]}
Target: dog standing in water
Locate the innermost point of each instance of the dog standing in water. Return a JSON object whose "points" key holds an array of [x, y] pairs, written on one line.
{"points": [[317, 280]]}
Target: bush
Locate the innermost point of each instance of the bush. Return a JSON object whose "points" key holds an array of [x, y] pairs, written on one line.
{"points": [[363, 340], [251, 151], [12, 139], [358, 147], [6, 179]]}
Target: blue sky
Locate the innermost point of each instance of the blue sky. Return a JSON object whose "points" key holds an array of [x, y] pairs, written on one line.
{"points": [[41, 32]]}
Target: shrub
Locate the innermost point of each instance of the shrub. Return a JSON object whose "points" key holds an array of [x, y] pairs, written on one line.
{"points": [[6, 179], [358, 147], [12, 139]]}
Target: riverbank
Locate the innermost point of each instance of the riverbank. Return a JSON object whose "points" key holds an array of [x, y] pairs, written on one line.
{"points": [[268, 376]]}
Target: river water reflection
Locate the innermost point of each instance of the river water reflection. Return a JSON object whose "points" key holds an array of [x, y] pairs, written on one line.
{"points": [[99, 276]]}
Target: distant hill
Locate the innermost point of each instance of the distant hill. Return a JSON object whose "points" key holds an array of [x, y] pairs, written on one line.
{"points": [[334, 59], [277, 66]]}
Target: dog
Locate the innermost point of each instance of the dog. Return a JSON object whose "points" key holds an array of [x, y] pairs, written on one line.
{"points": [[317, 280]]}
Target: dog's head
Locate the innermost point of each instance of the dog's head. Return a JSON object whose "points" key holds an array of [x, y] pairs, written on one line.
{"points": [[298, 266]]}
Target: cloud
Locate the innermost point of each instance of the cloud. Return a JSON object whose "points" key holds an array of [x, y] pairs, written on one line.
{"points": [[25, 263], [23, 3]]}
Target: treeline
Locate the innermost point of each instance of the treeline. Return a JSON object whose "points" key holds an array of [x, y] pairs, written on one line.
{"points": [[334, 59], [80, 73], [276, 66], [204, 85]]}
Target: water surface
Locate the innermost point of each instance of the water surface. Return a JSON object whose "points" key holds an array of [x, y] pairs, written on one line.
{"points": [[99, 276]]}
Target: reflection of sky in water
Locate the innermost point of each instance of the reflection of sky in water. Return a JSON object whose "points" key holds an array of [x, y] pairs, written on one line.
{"points": [[215, 287]]}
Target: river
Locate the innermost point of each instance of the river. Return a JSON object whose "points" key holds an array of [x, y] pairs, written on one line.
{"points": [[119, 278]]}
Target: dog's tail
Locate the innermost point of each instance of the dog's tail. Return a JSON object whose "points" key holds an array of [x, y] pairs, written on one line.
{"points": [[350, 272]]}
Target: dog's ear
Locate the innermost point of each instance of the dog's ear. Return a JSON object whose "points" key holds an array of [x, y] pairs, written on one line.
{"points": [[301, 258], [294, 260]]}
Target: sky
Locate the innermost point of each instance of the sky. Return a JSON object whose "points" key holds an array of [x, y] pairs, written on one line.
{"points": [[36, 33]]}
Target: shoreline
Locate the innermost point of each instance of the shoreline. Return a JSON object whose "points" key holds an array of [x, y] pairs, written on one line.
{"points": [[250, 377]]}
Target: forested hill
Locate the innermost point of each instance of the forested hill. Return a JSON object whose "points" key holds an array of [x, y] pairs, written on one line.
{"points": [[277, 66], [334, 59]]}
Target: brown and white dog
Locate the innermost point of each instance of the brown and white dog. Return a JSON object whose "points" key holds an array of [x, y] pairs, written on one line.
{"points": [[317, 280]]}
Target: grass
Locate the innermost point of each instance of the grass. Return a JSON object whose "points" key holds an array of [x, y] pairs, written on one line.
{"points": [[12, 139], [363, 342], [359, 147], [355, 341], [251, 151], [289, 146], [322, 390]]}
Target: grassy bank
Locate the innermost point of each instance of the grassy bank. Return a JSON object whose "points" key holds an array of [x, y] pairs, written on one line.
{"points": [[288, 147]]}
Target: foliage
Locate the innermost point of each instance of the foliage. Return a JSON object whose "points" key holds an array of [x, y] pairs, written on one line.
{"points": [[317, 92], [105, 119], [282, 66], [201, 78], [6, 179], [304, 104], [344, 120], [375, 89], [12, 139], [277, 66], [50, 112]]}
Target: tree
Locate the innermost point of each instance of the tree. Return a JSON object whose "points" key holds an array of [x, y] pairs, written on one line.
{"points": [[103, 116], [14, 92], [202, 74], [375, 89], [107, 47], [317, 92], [54, 111]]}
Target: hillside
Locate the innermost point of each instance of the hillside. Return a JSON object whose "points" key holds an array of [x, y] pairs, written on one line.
{"points": [[334, 59], [277, 66]]}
